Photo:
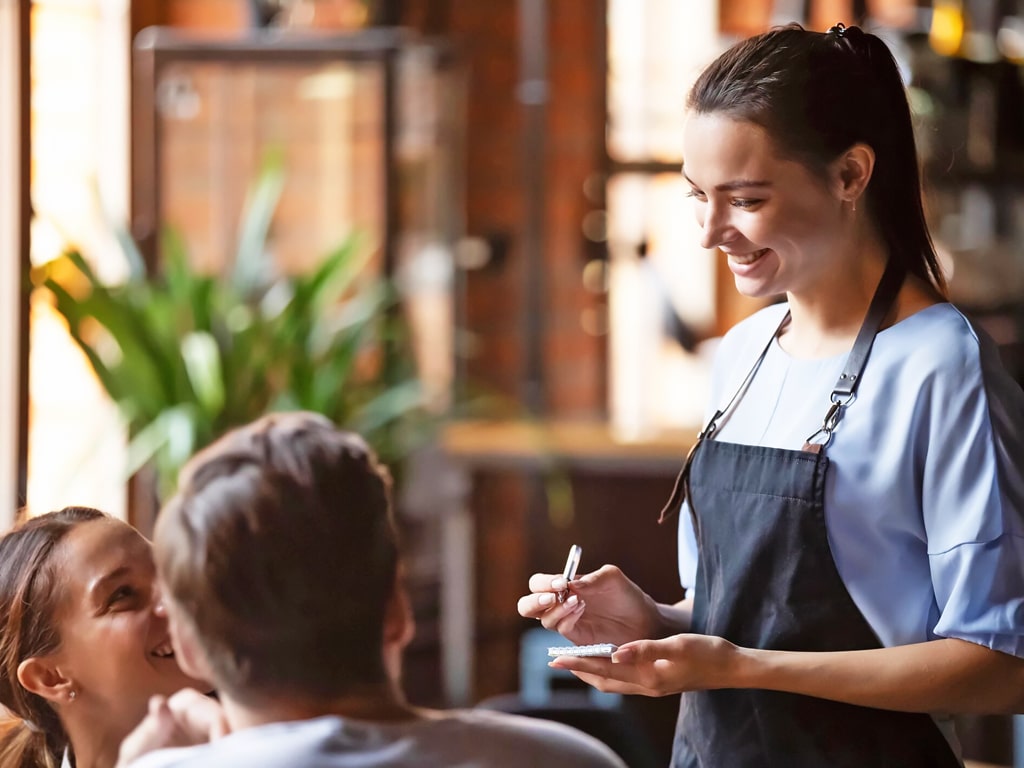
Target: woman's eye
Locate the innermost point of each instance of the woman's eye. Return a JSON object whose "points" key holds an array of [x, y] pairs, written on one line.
{"points": [[696, 194], [744, 203], [121, 595]]}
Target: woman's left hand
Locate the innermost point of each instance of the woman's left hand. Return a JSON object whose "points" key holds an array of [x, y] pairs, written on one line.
{"points": [[946, 675], [185, 719], [674, 664]]}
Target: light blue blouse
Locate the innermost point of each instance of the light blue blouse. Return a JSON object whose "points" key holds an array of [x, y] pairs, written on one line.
{"points": [[924, 498]]}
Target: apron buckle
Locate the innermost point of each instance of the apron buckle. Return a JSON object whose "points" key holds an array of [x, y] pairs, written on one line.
{"points": [[820, 439]]}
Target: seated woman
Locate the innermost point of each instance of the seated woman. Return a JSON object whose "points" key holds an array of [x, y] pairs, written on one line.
{"points": [[84, 641]]}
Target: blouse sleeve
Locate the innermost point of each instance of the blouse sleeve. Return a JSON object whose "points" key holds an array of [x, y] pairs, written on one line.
{"points": [[972, 499], [687, 549]]}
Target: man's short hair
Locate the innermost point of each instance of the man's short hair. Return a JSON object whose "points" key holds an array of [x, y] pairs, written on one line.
{"points": [[280, 550]]}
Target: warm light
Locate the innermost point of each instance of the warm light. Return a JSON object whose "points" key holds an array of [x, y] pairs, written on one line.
{"points": [[947, 31], [76, 451], [79, 103], [654, 383], [1010, 39], [656, 49]]}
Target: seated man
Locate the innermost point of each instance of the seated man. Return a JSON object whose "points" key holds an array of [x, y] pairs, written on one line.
{"points": [[279, 570]]}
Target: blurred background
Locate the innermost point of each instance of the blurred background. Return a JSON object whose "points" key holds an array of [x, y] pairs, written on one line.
{"points": [[455, 225]]}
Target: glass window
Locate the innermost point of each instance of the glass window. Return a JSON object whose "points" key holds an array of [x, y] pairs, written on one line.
{"points": [[661, 282], [656, 48], [79, 187]]}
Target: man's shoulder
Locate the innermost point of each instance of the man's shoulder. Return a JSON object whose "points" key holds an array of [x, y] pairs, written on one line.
{"points": [[174, 757], [273, 745], [477, 738], [507, 739]]}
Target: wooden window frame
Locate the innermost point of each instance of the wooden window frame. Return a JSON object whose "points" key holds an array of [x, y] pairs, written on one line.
{"points": [[14, 255]]}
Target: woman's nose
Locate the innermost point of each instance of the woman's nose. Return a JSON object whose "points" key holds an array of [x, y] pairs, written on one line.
{"points": [[712, 228], [158, 603]]}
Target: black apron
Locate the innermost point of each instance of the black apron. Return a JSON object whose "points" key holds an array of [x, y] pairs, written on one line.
{"points": [[766, 579]]}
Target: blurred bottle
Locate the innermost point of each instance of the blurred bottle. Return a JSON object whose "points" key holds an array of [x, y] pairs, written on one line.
{"points": [[326, 14], [946, 34], [968, 28]]}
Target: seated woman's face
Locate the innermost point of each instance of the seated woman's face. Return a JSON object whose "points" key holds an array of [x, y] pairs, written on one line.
{"points": [[114, 647]]}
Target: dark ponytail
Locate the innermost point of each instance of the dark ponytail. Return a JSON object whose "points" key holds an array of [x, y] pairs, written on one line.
{"points": [[29, 591], [817, 94]]}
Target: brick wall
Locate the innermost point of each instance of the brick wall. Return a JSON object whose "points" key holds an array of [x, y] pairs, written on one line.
{"points": [[512, 526], [576, 118], [486, 37]]}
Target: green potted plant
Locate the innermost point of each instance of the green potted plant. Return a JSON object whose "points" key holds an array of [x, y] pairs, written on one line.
{"points": [[187, 355]]}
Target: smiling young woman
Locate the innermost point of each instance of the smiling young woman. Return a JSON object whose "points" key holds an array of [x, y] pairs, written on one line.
{"points": [[84, 642], [852, 536]]}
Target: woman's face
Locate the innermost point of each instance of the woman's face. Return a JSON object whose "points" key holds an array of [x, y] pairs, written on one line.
{"points": [[775, 220], [115, 646]]}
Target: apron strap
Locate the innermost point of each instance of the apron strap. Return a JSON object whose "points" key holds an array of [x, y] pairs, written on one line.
{"points": [[846, 385], [842, 393], [681, 487]]}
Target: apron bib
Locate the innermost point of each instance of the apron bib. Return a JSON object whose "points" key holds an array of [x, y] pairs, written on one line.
{"points": [[766, 579]]}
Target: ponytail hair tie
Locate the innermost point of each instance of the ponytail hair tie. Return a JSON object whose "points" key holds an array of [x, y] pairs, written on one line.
{"points": [[837, 31]]}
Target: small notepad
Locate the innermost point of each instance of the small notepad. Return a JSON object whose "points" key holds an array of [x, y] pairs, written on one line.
{"points": [[597, 649]]}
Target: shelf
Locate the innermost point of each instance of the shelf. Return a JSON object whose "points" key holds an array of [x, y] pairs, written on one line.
{"points": [[580, 445]]}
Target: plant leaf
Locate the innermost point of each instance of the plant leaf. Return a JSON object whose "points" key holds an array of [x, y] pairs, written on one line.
{"points": [[261, 201], [202, 364], [389, 406]]}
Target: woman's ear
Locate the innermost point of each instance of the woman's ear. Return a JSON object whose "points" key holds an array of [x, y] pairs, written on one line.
{"points": [[41, 676], [852, 170]]}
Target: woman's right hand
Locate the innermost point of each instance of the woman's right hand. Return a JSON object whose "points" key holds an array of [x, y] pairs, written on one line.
{"points": [[601, 607]]}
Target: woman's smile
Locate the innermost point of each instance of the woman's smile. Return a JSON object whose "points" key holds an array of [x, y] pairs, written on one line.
{"points": [[164, 651], [745, 259]]}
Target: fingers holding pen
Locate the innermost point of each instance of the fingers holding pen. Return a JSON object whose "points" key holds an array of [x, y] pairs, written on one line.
{"points": [[550, 599], [548, 582], [543, 603], [558, 587], [563, 617]]}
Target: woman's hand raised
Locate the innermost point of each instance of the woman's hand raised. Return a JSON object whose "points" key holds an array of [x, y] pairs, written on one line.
{"points": [[600, 607]]}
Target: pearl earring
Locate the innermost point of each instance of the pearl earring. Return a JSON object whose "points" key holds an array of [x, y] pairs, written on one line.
{"points": [[71, 695]]}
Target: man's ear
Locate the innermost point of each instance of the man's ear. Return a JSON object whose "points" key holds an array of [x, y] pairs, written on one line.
{"points": [[188, 652], [41, 676], [852, 171], [399, 626]]}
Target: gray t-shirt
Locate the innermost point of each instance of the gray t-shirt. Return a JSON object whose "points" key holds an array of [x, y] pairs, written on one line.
{"points": [[458, 738]]}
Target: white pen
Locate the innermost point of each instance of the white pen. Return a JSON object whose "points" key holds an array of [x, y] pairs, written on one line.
{"points": [[571, 564]]}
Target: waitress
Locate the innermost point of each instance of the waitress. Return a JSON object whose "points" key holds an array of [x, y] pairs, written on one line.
{"points": [[851, 527]]}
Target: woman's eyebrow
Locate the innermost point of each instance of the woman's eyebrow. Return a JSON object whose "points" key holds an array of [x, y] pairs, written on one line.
{"points": [[730, 186], [99, 586]]}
